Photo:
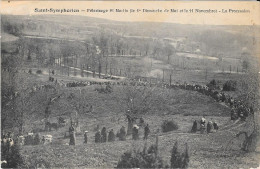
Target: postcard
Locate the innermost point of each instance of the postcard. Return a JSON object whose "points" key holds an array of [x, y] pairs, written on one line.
{"points": [[130, 84]]}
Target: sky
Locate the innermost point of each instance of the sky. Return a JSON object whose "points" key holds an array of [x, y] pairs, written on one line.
{"points": [[252, 18]]}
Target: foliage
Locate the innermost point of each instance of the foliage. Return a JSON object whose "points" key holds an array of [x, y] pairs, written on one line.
{"points": [[230, 85], [12, 28], [212, 84], [141, 159], [169, 126], [39, 71], [12, 156], [179, 160]]}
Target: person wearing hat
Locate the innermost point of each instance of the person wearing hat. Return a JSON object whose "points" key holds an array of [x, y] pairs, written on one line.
{"points": [[86, 137]]}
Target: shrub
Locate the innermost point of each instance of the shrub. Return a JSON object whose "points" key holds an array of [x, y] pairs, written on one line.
{"points": [[141, 159], [12, 156], [229, 85], [213, 82], [39, 71], [179, 160], [169, 126]]}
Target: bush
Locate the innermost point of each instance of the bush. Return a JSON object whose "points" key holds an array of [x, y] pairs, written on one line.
{"points": [[12, 156], [213, 82], [179, 160], [169, 126], [141, 159], [229, 85], [39, 71]]}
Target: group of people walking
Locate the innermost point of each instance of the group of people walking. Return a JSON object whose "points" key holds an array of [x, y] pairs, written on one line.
{"points": [[102, 136]]}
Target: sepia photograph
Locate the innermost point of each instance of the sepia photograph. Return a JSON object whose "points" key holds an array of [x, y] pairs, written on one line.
{"points": [[130, 84]]}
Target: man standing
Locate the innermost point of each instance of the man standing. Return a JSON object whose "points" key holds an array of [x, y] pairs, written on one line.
{"points": [[146, 132], [72, 136], [86, 137], [104, 135], [98, 137]]}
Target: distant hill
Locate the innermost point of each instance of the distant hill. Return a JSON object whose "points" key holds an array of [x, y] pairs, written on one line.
{"points": [[211, 40]]}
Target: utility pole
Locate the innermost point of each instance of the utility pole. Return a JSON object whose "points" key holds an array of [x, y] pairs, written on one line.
{"points": [[206, 74], [163, 76]]}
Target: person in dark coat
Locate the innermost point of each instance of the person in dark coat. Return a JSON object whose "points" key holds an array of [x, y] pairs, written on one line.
{"points": [[209, 127], [104, 135], [215, 126], [86, 137], [122, 134], [146, 132], [111, 136], [43, 139], [194, 127], [141, 120], [72, 135], [98, 137], [72, 138]]}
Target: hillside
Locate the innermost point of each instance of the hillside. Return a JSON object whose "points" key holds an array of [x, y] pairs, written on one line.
{"points": [[55, 67]]}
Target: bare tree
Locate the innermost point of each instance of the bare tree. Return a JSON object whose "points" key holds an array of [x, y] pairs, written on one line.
{"points": [[248, 88], [138, 102]]}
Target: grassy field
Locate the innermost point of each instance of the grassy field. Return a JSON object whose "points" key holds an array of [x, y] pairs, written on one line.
{"points": [[183, 107], [48, 40], [206, 151]]}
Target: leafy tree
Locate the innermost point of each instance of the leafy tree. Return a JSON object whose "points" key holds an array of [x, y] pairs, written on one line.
{"points": [[179, 160], [229, 85]]}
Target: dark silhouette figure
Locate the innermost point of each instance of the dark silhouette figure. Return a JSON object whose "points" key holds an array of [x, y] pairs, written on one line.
{"points": [[194, 127]]}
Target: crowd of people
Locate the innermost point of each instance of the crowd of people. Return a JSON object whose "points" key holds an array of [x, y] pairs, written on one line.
{"points": [[7, 140], [102, 136], [239, 108], [211, 126]]}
